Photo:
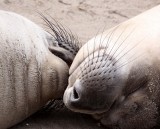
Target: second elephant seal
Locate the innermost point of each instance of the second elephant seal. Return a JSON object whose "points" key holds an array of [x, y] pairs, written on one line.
{"points": [[33, 66], [116, 75]]}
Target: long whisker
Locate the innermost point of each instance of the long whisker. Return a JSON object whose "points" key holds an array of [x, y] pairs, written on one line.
{"points": [[131, 60], [108, 41], [101, 40], [62, 35], [111, 34], [81, 72], [82, 62], [105, 48], [121, 45], [60, 27], [123, 64], [100, 44], [88, 58], [123, 42], [118, 40], [115, 43], [106, 44], [95, 45], [129, 51]]}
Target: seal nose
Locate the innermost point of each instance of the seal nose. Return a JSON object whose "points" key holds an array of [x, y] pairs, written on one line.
{"points": [[75, 94], [82, 97]]}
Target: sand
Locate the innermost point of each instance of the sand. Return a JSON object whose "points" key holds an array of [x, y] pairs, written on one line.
{"points": [[84, 18]]}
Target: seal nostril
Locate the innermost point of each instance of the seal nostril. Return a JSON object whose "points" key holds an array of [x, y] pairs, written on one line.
{"points": [[75, 94]]}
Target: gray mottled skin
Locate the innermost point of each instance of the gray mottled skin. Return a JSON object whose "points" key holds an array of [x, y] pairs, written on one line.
{"points": [[116, 75], [30, 74]]}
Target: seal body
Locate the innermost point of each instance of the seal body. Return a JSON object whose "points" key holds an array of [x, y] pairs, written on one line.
{"points": [[116, 75], [30, 73]]}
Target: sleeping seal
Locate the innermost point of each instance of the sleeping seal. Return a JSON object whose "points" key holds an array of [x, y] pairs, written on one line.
{"points": [[34, 66], [116, 75]]}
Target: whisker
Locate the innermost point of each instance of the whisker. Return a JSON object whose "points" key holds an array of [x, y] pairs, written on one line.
{"points": [[86, 64], [99, 49], [59, 26], [52, 26], [109, 39], [121, 45], [69, 35], [124, 64], [49, 24], [115, 44], [88, 57], [102, 34], [131, 60], [124, 41], [81, 72], [128, 51], [95, 45], [101, 41], [63, 36], [117, 41], [105, 50], [110, 33]]}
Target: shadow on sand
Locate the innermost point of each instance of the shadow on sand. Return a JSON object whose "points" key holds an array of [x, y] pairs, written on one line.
{"points": [[62, 119]]}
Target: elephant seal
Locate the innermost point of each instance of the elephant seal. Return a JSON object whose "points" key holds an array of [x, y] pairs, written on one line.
{"points": [[34, 66], [116, 75]]}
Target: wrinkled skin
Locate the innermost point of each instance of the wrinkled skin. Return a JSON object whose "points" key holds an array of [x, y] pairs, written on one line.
{"points": [[32, 70], [115, 76]]}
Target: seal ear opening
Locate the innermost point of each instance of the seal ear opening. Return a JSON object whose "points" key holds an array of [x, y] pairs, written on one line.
{"points": [[63, 54]]}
